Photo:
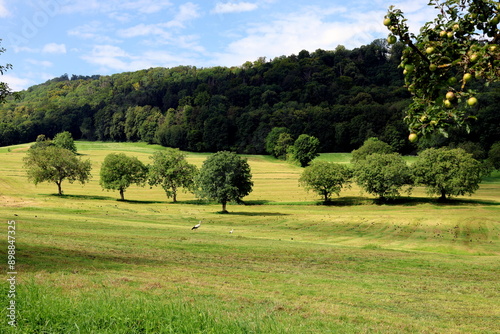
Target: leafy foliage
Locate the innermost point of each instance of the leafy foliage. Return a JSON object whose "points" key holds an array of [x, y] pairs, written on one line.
{"points": [[304, 149], [441, 62], [447, 172], [55, 164], [325, 178], [119, 171], [65, 140], [224, 177], [382, 174], [494, 155], [370, 146], [171, 171]]}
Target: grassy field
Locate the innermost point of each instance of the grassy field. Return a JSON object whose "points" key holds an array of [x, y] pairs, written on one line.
{"points": [[88, 263]]}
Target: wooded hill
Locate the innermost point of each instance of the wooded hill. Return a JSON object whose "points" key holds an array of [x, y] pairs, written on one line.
{"points": [[341, 97]]}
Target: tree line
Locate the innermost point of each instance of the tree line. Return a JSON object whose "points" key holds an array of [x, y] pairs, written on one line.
{"points": [[341, 97], [226, 177]]}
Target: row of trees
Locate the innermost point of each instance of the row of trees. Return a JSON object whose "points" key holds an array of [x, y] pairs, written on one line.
{"points": [[444, 172], [226, 177]]}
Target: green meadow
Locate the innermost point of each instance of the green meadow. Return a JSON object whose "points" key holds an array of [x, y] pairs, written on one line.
{"points": [[89, 263]]}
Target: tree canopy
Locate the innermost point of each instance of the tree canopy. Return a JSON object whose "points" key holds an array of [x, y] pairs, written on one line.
{"points": [[370, 146], [382, 174], [55, 164], [325, 178], [171, 171], [304, 149], [119, 171], [224, 177], [447, 172]]}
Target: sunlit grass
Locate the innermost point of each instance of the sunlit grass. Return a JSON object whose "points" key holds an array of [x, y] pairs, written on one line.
{"points": [[88, 263]]}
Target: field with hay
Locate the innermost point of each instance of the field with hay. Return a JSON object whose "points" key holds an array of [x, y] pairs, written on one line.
{"points": [[86, 262]]}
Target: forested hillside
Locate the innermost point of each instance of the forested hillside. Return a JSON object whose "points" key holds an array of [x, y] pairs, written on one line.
{"points": [[341, 97]]}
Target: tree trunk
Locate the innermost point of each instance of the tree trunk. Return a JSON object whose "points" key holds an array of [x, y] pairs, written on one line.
{"points": [[59, 188], [224, 207], [122, 195], [443, 195]]}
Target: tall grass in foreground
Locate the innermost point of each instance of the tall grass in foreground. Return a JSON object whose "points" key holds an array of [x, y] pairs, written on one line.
{"points": [[48, 310]]}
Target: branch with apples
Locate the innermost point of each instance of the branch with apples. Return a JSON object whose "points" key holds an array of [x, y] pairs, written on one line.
{"points": [[460, 46]]}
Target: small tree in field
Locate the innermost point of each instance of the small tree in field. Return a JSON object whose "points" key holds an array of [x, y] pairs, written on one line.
{"points": [[224, 177], [171, 171], [64, 140], [55, 164], [447, 172], [283, 143], [305, 149], [382, 174], [459, 46], [119, 171], [325, 178], [370, 146]]}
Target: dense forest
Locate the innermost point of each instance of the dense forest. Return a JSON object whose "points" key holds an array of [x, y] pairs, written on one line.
{"points": [[342, 97]]}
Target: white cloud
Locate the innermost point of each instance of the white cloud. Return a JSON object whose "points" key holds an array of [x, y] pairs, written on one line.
{"points": [[15, 83], [112, 7], [40, 63], [187, 12], [94, 31], [109, 57], [4, 12], [230, 7], [310, 28], [54, 48]]}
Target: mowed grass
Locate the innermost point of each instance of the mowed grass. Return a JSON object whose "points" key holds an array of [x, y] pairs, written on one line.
{"points": [[88, 263]]}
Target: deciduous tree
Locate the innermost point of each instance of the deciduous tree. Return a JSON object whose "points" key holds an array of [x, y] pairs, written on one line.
{"points": [[224, 177], [325, 178], [304, 149], [383, 175], [370, 146], [171, 171], [64, 140], [447, 172], [55, 164], [119, 171]]}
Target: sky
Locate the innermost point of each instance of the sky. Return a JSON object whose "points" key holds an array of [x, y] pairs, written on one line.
{"points": [[44, 39]]}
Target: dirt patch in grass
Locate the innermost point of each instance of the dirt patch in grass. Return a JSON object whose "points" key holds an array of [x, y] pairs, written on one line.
{"points": [[14, 202]]}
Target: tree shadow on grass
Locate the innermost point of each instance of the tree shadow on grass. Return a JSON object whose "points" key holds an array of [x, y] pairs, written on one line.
{"points": [[413, 201], [346, 201], [253, 214], [84, 197]]}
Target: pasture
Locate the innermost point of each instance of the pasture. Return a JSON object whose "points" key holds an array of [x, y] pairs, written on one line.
{"points": [[88, 263]]}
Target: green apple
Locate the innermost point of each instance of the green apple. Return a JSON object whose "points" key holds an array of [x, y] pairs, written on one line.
{"points": [[450, 96], [433, 123], [409, 68], [413, 137], [449, 34], [433, 67], [430, 50], [442, 33], [456, 27], [467, 77], [472, 101], [452, 81], [493, 48], [392, 39], [447, 104], [473, 57], [387, 21]]}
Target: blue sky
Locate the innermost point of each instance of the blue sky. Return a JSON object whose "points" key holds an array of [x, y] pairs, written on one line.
{"points": [[47, 38]]}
